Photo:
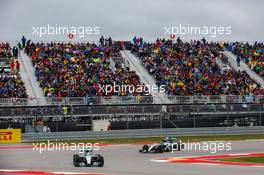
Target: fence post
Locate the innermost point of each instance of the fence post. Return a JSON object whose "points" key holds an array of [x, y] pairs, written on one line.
{"points": [[194, 120], [161, 117], [127, 117], [260, 120]]}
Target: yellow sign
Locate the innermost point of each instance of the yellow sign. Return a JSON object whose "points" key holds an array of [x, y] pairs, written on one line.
{"points": [[10, 135]]}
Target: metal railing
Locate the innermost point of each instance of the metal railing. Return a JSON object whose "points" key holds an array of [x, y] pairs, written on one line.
{"points": [[130, 100], [134, 109], [217, 99]]}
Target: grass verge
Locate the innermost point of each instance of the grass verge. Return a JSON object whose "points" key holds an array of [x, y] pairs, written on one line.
{"points": [[244, 159]]}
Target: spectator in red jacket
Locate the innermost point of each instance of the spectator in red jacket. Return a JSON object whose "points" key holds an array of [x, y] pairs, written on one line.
{"points": [[17, 66], [12, 64]]}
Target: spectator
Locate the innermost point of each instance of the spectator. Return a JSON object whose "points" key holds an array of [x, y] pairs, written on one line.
{"points": [[15, 52], [102, 40], [17, 66], [238, 61], [23, 40], [12, 64], [19, 46]]}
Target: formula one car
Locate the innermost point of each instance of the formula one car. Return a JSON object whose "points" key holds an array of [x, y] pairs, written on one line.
{"points": [[88, 158], [166, 145]]}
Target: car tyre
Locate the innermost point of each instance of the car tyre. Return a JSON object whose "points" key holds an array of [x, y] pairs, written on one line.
{"points": [[76, 162], [100, 161]]}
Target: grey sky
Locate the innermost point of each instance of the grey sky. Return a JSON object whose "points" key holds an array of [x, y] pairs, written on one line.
{"points": [[122, 19]]}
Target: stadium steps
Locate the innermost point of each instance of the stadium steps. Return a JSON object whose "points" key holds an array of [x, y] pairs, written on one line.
{"points": [[33, 88], [220, 64], [243, 67], [145, 77], [223, 65]]}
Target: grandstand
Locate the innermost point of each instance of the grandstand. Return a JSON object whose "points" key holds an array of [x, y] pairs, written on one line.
{"points": [[191, 69], [77, 70], [11, 84], [251, 54], [68, 85]]}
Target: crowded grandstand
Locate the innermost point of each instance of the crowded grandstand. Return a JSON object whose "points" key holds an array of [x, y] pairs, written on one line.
{"points": [[184, 68], [197, 76]]}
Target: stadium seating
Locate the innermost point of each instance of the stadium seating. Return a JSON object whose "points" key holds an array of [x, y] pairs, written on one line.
{"points": [[190, 68], [251, 54], [5, 50], [79, 70], [82, 69], [11, 84]]}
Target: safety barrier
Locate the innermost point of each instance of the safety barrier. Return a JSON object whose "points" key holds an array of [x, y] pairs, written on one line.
{"points": [[141, 133]]}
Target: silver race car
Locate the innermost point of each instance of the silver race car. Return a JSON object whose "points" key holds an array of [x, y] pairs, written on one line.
{"points": [[166, 145], [88, 158]]}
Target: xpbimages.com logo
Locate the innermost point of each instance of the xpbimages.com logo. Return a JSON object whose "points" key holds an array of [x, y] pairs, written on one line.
{"points": [[115, 88], [69, 31], [63, 146], [210, 31], [208, 146]]}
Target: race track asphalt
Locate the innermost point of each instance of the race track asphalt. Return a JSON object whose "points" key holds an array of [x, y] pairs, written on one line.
{"points": [[126, 160]]}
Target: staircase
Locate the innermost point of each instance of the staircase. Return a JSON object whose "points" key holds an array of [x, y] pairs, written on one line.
{"points": [[33, 88], [243, 67], [145, 77]]}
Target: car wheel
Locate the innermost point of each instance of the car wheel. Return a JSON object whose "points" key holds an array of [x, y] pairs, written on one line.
{"points": [[76, 160], [145, 147], [100, 161], [160, 149], [182, 146]]}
